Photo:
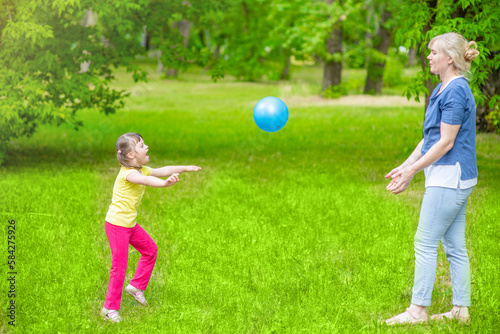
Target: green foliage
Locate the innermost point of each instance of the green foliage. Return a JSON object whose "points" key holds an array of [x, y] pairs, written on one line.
{"points": [[334, 92], [355, 56], [44, 43], [180, 30], [255, 39], [251, 50], [42, 47], [494, 119], [311, 23], [346, 87], [393, 73], [475, 20], [374, 68]]}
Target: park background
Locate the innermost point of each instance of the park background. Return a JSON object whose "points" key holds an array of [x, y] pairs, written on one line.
{"points": [[285, 232]]}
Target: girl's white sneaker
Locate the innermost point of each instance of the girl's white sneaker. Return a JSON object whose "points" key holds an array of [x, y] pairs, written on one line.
{"points": [[111, 315], [137, 294]]}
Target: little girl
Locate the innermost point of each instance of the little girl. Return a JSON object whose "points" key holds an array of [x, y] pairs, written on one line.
{"points": [[121, 226]]}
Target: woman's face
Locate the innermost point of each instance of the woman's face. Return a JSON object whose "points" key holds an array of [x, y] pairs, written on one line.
{"points": [[438, 60]]}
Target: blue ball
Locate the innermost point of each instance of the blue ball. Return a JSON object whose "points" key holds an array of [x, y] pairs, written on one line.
{"points": [[270, 114]]}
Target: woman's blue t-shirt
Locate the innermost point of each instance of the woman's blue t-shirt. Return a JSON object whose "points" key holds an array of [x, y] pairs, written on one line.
{"points": [[454, 105]]}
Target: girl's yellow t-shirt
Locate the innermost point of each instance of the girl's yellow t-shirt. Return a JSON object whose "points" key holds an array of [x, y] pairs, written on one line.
{"points": [[126, 198]]}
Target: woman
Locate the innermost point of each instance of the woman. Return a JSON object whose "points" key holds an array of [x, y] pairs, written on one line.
{"points": [[447, 154]]}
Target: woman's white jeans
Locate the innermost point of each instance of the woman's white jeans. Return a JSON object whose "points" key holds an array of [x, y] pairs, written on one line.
{"points": [[442, 218]]}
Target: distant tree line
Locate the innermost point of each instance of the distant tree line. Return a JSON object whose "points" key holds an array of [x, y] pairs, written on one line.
{"points": [[58, 57]]}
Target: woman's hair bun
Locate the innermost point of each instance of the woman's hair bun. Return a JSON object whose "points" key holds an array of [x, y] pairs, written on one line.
{"points": [[471, 51]]}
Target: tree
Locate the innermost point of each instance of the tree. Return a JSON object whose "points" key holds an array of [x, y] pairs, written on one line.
{"points": [[42, 47], [317, 30], [476, 20], [378, 54], [250, 40], [171, 27], [332, 74]]}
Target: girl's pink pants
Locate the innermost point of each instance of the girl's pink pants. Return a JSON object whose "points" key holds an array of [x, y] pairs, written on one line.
{"points": [[119, 238]]}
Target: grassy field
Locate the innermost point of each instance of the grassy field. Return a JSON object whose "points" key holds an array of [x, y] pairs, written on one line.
{"points": [[290, 232]]}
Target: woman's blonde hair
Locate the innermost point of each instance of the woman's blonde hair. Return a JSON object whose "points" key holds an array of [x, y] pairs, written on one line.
{"points": [[459, 49], [126, 144]]}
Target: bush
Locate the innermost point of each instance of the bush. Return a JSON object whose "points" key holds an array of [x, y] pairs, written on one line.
{"points": [[334, 92], [393, 74], [353, 86], [493, 119]]}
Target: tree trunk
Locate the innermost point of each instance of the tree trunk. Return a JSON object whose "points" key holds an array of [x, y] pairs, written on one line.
{"points": [[184, 27], [428, 83], [432, 4], [172, 73], [411, 56], [285, 74], [89, 19], [489, 88], [160, 64], [376, 67], [245, 16], [333, 66], [370, 17], [145, 38]]}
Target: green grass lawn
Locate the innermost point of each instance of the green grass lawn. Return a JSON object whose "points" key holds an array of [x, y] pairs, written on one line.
{"points": [[289, 232]]}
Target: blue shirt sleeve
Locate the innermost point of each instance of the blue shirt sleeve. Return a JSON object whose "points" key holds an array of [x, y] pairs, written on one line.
{"points": [[453, 106]]}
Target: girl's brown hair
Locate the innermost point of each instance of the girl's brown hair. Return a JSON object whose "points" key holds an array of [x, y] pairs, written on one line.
{"points": [[126, 144]]}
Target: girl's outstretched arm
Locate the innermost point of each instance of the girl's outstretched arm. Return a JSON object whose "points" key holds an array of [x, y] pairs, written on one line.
{"points": [[152, 181], [169, 170]]}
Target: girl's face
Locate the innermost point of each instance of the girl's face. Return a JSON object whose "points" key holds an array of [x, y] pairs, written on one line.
{"points": [[438, 60], [141, 153]]}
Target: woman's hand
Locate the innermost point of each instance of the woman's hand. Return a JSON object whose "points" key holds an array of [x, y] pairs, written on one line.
{"points": [[394, 171], [401, 178]]}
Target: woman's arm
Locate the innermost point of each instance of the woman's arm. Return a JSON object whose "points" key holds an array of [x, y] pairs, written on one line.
{"points": [[416, 154], [152, 181], [169, 170], [402, 178]]}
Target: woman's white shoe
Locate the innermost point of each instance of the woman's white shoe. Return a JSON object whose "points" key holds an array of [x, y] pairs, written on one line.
{"points": [[406, 318]]}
